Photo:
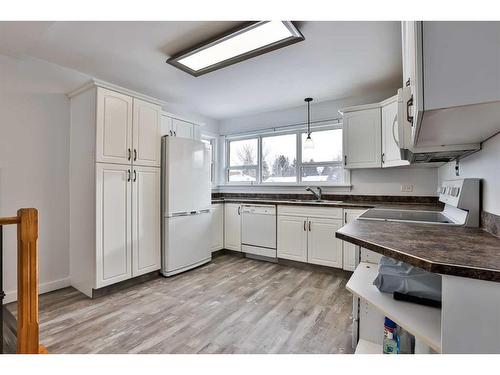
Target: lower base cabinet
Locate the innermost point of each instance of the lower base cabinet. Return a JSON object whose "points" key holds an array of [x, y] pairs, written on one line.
{"points": [[323, 247], [308, 238], [350, 251], [232, 226], [217, 227], [292, 238]]}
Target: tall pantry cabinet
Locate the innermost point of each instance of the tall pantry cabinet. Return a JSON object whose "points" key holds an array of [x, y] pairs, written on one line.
{"points": [[114, 187]]}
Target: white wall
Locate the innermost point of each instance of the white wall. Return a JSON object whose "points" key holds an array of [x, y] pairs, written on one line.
{"points": [[484, 164], [364, 181], [34, 173]]}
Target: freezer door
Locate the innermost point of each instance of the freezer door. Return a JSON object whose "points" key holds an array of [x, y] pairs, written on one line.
{"points": [[185, 242], [185, 176]]}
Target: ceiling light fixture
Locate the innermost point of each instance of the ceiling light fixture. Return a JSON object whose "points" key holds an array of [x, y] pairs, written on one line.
{"points": [[309, 142], [247, 41]]}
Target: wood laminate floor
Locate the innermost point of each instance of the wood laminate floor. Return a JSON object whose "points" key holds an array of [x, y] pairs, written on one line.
{"points": [[232, 305]]}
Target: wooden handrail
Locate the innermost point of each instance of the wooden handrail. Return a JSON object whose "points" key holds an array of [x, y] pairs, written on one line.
{"points": [[27, 279], [10, 220]]}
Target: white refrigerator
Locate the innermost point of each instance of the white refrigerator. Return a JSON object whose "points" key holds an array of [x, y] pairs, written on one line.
{"points": [[186, 201]]}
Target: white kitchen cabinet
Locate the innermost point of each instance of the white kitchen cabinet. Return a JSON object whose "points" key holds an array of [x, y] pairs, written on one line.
{"points": [[350, 251], [114, 200], [217, 227], [175, 127], [455, 64], [362, 137], [146, 133], [292, 238], [232, 226], [113, 230], [391, 156], [146, 220], [307, 234], [113, 127], [322, 246]]}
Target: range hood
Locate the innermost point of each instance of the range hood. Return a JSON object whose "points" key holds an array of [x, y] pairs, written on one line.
{"points": [[410, 135]]}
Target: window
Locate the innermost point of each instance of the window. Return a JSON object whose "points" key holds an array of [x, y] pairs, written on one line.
{"points": [[243, 160], [279, 158], [283, 159], [323, 163]]}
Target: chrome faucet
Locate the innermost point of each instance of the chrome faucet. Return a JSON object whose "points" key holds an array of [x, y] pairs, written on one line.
{"points": [[317, 195]]}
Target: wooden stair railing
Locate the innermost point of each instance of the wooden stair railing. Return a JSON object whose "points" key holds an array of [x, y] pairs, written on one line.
{"points": [[27, 280]]}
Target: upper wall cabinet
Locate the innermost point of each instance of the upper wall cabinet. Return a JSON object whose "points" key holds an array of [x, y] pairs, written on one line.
{"points": [[391, 157], [114, 127], [362, 137], [175, 127], [453, 72], [127, 129], [146, 133]]}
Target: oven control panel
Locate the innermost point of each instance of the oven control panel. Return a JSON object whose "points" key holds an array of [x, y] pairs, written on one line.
{"points": [[460, 192]]}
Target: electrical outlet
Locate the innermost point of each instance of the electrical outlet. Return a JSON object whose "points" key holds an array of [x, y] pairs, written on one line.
{"points": [[406, 188]]}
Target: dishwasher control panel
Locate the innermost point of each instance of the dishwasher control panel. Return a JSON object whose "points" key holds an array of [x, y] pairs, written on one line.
{"points": [[258, 209]]}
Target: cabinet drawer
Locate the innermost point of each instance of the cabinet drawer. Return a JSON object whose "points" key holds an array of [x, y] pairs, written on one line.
{"points": [[306, 211]]}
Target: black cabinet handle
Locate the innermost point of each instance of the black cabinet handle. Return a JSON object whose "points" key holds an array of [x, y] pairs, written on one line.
{"points": [[239, 210], [129, 154], [135, 175], [309, 226], [135, 154], [128, 175], [305, 226], [345, 217]]}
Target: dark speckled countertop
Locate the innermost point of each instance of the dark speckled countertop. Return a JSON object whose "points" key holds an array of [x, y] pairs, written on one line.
{"points": [[444, 249], [338, 204]]}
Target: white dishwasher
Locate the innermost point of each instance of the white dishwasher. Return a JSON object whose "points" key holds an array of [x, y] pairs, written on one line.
{"points": [[258, 230]]}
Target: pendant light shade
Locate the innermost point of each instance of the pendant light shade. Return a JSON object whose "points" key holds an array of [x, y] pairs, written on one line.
{"points": [[309, 143]]}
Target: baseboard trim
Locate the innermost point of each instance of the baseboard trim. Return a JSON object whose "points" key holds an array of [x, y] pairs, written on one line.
{"points": [[50, 286]]}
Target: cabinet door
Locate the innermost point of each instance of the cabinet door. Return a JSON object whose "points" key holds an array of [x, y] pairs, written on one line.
{"points": [[113, 217], [113, 127], [146, 220], [166, 127], [362, 139], [322, 246], [217, 227], [350, 251], [391, 156], [292, 238], [146, 133], [232, 226], [183, 129]]}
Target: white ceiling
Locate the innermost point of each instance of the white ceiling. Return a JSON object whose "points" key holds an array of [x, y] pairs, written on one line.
{"points": [[336, 60]]}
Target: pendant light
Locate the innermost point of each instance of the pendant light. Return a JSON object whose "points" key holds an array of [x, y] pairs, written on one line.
{"points": [[309, 142]]}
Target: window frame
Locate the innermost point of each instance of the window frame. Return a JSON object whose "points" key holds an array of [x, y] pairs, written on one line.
{"points": [[229, 167], [298, 182]]}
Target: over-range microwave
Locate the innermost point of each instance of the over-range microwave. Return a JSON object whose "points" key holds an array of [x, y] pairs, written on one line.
{"points": [[406, 136]]}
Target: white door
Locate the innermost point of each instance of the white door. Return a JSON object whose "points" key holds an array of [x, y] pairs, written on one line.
{"points": [[146, 221], [232, 226], [146, 133], [114, 127], [391, 156], [217, 227], [292, 238], [362, 139], [113, 228], [351, 251], [322, 246], [182, 128]]}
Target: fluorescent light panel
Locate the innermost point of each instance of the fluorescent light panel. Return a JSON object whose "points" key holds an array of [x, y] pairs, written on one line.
{"points": [[247, 42]]}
